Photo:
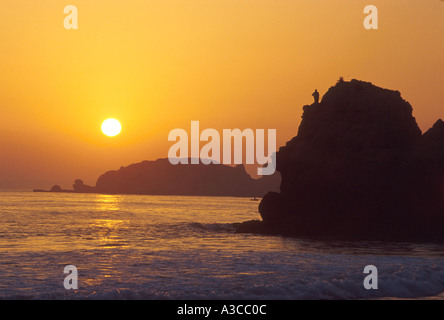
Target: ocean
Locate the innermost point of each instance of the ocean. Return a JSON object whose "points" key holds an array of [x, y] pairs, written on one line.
{"points": [[174, 247]]}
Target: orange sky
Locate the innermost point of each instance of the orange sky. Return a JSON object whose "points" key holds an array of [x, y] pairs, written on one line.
{"points": [[158, 64]]}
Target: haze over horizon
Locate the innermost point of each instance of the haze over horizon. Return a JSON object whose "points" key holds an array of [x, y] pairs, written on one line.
{"points": [[156, 66]]}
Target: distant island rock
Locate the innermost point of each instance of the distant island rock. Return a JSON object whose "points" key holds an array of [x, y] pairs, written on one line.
{"points": [[359, 168], [160, 177]]}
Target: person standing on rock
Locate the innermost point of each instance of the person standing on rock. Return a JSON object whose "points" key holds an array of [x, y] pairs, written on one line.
{"points": [[316, 96]]}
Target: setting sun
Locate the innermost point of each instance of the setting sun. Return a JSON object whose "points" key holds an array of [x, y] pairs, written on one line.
{"points": [[111, 127]]}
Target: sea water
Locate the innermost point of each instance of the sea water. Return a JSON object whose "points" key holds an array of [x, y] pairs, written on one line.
{"points": [[173, 247]]}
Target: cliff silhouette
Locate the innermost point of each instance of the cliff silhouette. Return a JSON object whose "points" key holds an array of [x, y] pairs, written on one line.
{"points": [[359, 168], [160, 177]]}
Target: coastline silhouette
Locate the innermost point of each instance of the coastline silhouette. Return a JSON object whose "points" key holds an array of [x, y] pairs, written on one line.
{"points": [[160, 177], [359, 168]]}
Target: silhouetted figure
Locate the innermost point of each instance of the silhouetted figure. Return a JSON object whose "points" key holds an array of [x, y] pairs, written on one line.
{"points": [[316, 96]]}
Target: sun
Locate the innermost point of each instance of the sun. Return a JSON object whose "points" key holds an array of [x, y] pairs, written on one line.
{"points": [[111, 127]]}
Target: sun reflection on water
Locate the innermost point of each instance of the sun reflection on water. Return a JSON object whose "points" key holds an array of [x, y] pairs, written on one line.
{"points": [[106, 202], [109, 228]]}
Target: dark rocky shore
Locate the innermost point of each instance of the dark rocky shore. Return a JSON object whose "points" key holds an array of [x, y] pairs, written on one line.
{"points": [[359, 168]]}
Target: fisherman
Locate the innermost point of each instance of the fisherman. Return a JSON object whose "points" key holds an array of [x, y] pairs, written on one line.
{"points": [[316, 96]]}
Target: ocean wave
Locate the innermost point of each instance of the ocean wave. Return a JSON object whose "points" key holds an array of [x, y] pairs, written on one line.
{"points": [[250, 275]]}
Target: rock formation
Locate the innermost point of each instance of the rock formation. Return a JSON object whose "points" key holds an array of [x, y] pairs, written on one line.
{"points": [[80, 187], [359, 168]]}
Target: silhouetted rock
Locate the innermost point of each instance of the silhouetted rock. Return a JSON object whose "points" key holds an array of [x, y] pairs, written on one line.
{"points": [[359, 168], [80, 187], [162, 178], [56, 188]]}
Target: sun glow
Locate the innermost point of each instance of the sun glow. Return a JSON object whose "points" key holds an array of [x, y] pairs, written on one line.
{"points": [[111, 127]]}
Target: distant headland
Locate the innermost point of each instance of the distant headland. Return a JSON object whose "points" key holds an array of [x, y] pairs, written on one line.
{"points": [[359, 168], [160, 177]]}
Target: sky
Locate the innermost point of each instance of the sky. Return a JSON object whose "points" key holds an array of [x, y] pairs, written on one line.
{"points": [[156, 65]]}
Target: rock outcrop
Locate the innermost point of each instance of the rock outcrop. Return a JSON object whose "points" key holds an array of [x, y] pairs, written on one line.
{"points": [[80, 187], [359, 168]]}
